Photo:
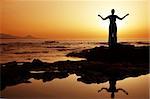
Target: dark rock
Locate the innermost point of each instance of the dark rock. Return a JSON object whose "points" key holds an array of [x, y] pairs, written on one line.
{"points": [[120, 53], [89, 71], [49, 42], [56, 47], [37, 62]]}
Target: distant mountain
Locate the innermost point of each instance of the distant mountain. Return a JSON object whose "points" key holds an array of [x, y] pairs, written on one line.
{"points": [[9, 36], [29, 37]]}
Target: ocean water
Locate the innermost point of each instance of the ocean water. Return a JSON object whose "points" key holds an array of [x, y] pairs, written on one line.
{"points": [[47, 50], [61, 84]]}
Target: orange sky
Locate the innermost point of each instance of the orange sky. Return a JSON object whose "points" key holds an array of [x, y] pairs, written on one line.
{"points": [[74, 19]]}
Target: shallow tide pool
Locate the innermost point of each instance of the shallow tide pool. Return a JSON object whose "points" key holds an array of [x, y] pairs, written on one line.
{"points": [[70, 88]]}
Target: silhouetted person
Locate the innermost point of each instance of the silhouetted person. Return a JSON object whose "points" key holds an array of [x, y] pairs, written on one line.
{"points": [[112, 89], [112, 27]]}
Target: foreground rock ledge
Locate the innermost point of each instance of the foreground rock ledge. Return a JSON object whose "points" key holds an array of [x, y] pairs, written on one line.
{"points": [[121, 53], [13, 73]]}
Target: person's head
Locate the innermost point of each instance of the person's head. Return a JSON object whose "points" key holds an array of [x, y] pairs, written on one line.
{"points": [[112, 11]]}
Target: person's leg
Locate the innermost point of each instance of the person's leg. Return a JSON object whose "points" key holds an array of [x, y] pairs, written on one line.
{"points": [[110, 40], [110, 36], [113, 30], [115, 34]]}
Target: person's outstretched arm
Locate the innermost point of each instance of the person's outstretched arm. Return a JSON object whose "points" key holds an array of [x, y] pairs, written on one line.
{"points": [[102, 89], [102, 17], [122, 17], [123, 91]]}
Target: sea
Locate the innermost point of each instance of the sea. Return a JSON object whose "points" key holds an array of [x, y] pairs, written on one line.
{"points": [[61, 85], [25, 50]]}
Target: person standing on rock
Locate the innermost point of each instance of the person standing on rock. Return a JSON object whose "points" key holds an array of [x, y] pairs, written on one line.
{"points": [[112, 27]]}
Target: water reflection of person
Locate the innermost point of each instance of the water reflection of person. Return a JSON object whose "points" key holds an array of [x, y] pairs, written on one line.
{"points": [[112, 89], [112, 27]]}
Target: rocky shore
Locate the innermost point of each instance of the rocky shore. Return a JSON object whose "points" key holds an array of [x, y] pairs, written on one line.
{"points": [[14, 73], [102, 64], [119, 54]]}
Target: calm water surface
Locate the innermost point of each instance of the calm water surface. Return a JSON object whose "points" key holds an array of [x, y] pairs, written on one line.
{"points": [[70, 88]]}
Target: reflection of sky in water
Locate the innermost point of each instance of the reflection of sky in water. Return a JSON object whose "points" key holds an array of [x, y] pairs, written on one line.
{"points": [[69, 88], [27, 50]]}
